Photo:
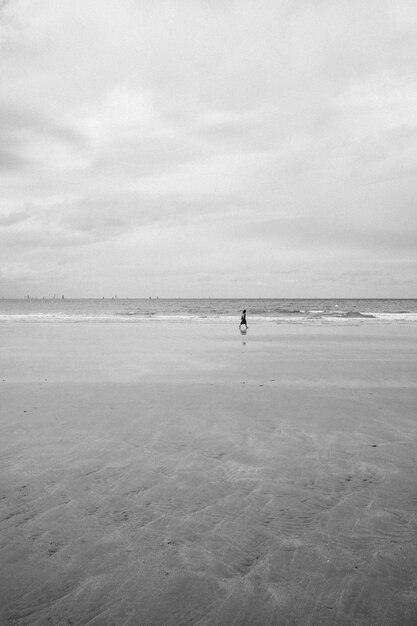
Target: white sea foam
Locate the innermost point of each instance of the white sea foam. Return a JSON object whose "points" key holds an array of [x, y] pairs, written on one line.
{"points": [[391, 317], [209, 319]]}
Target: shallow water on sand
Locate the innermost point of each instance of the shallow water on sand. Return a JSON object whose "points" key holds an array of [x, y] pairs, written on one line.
{"points": [[212, 481]]}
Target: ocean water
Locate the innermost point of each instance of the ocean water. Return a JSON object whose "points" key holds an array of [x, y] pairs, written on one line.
{"points": [[274, 311]]}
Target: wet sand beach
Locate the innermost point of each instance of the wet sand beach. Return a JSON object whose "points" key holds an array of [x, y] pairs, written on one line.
{"points": [[175, 474]]}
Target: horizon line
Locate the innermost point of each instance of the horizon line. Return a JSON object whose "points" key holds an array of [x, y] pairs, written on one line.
{"points": [[63, 297]]}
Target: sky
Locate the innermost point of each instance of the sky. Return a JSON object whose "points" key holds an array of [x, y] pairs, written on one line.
{"points": [[208, 148]]}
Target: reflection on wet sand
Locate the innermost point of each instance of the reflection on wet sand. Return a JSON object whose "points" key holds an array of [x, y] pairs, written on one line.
{"points": [[184, 496]]}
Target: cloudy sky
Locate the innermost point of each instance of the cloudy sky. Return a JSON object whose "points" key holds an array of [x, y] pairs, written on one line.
{"points": [[230, 148]]}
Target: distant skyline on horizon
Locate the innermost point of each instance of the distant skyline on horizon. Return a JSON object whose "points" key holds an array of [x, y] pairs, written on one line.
{"points": [[240, 298], [193, 148]]}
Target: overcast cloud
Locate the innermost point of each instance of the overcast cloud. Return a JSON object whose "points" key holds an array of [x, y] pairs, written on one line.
{"points": [[208, 148]]}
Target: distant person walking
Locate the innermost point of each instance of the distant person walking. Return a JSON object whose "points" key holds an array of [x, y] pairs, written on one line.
{"points": [[243, 321]]}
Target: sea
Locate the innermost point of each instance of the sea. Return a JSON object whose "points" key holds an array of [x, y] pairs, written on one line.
{"points": [[212, 310]]}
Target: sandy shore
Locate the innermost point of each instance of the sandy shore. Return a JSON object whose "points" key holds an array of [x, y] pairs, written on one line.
{"points": [[184, 474]]}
